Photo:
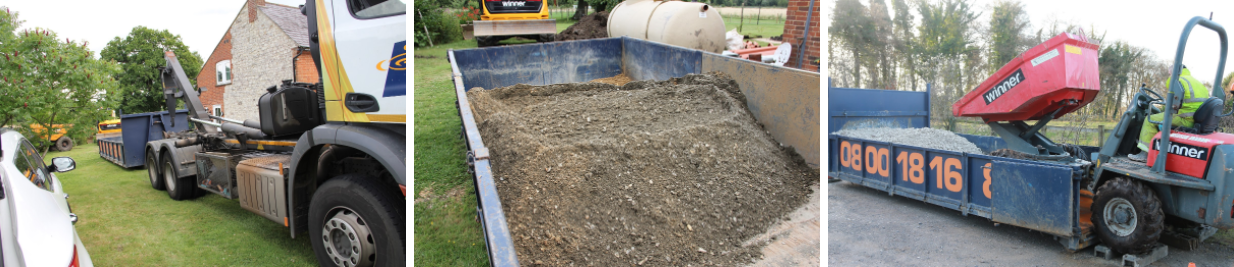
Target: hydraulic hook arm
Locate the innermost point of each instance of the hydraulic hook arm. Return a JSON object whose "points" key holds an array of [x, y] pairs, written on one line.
{"points": [[175, 85]]}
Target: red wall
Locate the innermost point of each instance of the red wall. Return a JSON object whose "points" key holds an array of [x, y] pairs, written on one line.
{"points": [[207, 79], [306, 70], [796, 26]]}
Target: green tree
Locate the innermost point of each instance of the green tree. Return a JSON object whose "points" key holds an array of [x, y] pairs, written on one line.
{"points": [[140, 54], [1007, 25], [880, 60], [1115, 62], [46, 80], [944, 39], [902, 38], [852, 29], [433, 22], [602, 5], [945, 42], [945, 27]]}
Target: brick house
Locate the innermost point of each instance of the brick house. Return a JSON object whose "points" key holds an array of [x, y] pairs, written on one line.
{"points": [[265, 44], [795, 28]]}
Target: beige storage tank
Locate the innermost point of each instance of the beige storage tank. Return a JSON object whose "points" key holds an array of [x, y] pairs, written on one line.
{"points": [[685, 24]]}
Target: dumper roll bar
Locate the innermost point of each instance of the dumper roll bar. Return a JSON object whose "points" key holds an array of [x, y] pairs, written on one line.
{"points": [[1174, 95]]}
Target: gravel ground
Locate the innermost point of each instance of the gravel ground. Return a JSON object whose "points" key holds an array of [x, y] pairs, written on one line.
{"points": [[866, 227], [671, 173], [921, 137]]}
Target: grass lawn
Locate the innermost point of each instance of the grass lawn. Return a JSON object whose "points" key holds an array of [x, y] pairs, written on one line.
{"points": [[755, 28], [125, 222], [563, 19], [763, 29], [446, 231]]}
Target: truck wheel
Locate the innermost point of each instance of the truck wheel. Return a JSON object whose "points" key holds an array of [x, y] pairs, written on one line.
{"points": [[152, 168], [177, 188], [1127, 215], [64, 144], [352, 222]]}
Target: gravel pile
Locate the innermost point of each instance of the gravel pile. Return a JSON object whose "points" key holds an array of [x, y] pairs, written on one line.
{"points": [[921, 137], [652, 173]]}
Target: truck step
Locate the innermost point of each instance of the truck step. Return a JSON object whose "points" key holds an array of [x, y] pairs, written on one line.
{"points": [[1130, 260]]}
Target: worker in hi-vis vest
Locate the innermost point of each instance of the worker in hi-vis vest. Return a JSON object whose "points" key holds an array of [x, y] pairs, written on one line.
{"points": [[1194, 94]]}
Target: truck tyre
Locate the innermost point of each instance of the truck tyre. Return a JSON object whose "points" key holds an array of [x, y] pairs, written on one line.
{"points": [[177, 188], [152, 168], [353, 222], [64, 144], [1128, 216]]}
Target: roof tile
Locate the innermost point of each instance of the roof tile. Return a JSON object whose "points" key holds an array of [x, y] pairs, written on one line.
{"points": [[290, 20]]}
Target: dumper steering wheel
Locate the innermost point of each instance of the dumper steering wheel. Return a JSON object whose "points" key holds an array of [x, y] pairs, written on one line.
{"points": [[1153, 97]]}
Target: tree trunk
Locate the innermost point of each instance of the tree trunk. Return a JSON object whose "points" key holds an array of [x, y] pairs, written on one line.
{"points": [[911, 71], [581, 10], [1121, 94], [886, 75], [856, 66], [48, 131]]}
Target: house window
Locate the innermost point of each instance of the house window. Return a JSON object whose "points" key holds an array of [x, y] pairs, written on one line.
{"points": [[218, 110], [222, 71]]}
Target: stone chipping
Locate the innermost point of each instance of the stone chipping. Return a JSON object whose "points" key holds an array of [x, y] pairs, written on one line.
{"points": [[920, 137]]}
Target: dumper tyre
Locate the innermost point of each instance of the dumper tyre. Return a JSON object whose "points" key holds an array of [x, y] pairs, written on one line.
{"points": [[152, 168], [545, 38], [177, 188], [353, 221], [485, 41], [64, 144], [1127, 215]]}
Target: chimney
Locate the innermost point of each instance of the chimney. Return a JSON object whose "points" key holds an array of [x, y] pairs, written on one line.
{"points": [[252, 5]]}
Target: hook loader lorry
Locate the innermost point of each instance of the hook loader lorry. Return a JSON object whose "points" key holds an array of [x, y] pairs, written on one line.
{"points": [[326, 159]]}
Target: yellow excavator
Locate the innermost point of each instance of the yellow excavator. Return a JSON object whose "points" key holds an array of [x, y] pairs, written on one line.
{"points": [[60, 140], [503, 19]]}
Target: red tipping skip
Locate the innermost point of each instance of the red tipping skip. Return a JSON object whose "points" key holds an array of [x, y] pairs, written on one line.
{"points": [[1060, 73]]}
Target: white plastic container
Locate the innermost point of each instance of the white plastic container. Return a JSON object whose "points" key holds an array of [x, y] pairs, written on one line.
{"points": [[685, 24]]}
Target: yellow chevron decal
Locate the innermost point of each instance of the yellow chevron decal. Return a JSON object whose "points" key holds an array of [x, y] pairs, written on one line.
{"points": [[334, 76]]}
